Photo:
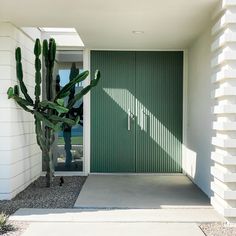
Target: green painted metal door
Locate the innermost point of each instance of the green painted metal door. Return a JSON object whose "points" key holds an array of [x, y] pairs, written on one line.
{"points": [[149, 86], [159, 93], [112, 144]]}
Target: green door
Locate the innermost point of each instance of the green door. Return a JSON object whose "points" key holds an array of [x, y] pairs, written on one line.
{"points": [[136, 112], [159, 94], [112, 144]]}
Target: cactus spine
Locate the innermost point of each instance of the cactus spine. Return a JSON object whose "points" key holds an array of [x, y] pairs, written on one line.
{"points": [[50, 115]]}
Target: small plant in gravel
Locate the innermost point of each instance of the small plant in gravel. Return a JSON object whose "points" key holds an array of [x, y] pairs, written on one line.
{"points": [[4, 226]]}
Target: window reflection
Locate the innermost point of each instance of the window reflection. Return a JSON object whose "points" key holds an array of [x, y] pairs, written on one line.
{"points": [[68, 155]]}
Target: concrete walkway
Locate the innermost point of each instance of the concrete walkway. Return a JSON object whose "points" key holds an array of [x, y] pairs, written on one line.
{"points": [[141, 192], [129, 222], [114, 229], [117, 215]]}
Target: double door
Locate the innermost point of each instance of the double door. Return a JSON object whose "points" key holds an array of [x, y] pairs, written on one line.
{"points": [[136, 112]]}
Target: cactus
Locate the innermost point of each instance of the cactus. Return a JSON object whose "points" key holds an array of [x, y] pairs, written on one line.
{"points": [[72, 114], [50, 115]]}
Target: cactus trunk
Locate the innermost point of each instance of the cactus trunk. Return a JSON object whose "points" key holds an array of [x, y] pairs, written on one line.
{"points": [[74, 72], [48, 158], [67, 140]]}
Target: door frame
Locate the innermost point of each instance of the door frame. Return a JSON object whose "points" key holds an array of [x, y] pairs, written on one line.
{"points": [[87, 111]]}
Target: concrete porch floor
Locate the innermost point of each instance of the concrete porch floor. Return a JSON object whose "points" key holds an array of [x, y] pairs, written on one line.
{"points": [[141, 192], [150, 197]]}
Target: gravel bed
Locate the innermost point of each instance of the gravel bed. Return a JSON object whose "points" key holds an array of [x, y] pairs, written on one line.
{"points": [[36, 195], [218, 229]]}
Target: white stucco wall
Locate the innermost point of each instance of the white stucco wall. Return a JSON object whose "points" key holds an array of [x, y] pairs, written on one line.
{"points": [[20, 157], [199, 125]]}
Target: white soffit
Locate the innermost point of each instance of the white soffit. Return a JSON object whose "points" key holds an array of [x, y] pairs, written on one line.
{"points": [[65, 37], [110, 24]]}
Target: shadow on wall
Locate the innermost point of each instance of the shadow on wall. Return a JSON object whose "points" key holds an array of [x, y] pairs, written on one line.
{"points": [[190, 162], [200, 118]]}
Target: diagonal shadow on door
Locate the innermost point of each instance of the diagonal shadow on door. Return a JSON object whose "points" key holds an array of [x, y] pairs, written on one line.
{"points": [[154, 143]]}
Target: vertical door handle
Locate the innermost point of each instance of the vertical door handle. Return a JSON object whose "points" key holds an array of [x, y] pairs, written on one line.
{"points": [[142, 120], [130, 117]]}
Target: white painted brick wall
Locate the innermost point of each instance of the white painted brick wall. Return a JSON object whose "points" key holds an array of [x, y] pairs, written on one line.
{"points": [[20, 156], [224, 96]]}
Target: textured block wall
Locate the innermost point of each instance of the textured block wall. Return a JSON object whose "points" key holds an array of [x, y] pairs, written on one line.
{"points": [[20, 157], [224, 95]]}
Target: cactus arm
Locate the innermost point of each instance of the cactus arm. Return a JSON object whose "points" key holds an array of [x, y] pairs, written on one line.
{"points": [[21, 100], [79, 78], [58, 86], [78, 96], [21, 103], [49, 52], [10, 92], [52, 51], [68, 121], [51, 57], [73, 73], [46, 61], [54, 106], [16, 90], [55, 119], [13, 94], [38, 79], [47, 122], [45, 52], [97, 77], [19, 74], [39, 135], [60, 102]]}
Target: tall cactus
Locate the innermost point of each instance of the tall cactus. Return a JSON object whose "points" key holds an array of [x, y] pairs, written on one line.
{"points": [[72, 114], [50, 115]]}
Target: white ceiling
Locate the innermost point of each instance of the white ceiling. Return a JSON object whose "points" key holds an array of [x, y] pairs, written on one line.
{"points": [[108, 24]]}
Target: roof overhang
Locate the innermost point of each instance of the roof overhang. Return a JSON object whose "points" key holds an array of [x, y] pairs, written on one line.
{"points": [[111, 24]]}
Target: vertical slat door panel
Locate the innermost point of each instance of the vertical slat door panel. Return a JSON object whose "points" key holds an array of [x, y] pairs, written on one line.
{"points": [[112, 144], [159, 101], [150, 84]]}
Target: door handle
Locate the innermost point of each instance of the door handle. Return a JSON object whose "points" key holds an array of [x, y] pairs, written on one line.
{"points": [[142, 120], [130, 117]]}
